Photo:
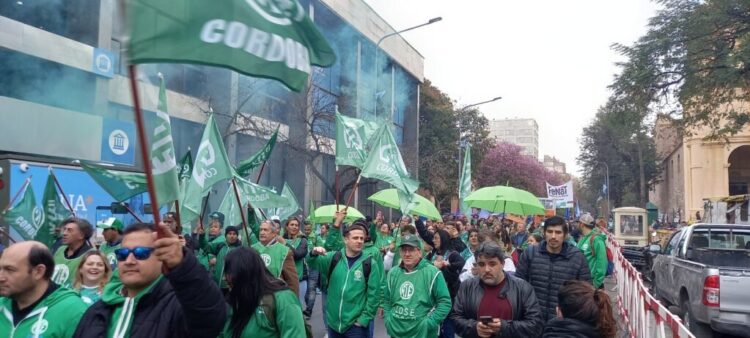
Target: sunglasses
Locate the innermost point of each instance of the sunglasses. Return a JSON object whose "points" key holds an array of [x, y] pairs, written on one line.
{"points": [[140, 253]]}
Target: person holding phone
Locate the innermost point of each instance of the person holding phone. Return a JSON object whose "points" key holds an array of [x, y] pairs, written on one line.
{"points": [[495, 304]]}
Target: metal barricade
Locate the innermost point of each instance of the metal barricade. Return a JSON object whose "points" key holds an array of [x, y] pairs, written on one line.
{"points": [[641, 313]]}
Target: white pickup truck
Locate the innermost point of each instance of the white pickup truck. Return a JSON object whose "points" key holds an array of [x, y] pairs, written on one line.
{"points": [[705, 271]]}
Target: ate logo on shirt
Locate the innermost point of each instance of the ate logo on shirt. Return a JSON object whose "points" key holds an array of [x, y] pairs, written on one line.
{"points": [[406, 290], [39, 327], [266, 259]]}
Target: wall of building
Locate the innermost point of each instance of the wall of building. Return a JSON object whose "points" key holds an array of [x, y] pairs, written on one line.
{"points": [[523, 132]]}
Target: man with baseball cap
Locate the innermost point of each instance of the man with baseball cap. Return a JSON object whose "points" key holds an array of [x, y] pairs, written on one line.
{"points": [[416, 298], [594, 248], [112, 232]]}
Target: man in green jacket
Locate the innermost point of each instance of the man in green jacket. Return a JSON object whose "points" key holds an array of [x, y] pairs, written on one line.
{"points": [[416, 296], [112, 232], [220, 251], [34, 306], [594, 248], [354, 292]]}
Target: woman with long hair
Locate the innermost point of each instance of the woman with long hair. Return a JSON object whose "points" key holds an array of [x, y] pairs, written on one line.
{"points": [[297, 242], [450, 263], [473, 244], [261, 305], [582, 312], [91, 275]]}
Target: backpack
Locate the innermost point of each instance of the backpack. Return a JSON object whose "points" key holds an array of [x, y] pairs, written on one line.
{"points": [[366, 266], [610, 257], [269, 308]]}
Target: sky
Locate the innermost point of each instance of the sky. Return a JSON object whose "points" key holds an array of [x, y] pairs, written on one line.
{"points": [[550, 60]]}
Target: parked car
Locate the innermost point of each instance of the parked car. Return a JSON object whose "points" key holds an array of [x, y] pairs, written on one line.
{"points": [[705, 271]]}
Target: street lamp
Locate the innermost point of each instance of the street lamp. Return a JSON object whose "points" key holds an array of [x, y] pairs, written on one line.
{"points": [[377, 53], [460, 138]]}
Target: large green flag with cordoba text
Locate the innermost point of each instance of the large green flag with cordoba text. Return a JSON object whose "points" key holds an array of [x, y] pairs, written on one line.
{"points": [[163, 158], [273, 39]]}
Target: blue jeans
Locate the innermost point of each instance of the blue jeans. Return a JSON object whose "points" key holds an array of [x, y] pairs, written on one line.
{"points": [[353, 332], [312, 284], [324, 298], [447, 329], [302, 291]]}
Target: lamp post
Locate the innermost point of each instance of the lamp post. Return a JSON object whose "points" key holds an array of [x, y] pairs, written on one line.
{"points": [[609, 207], [460, 138], [377, 53]]}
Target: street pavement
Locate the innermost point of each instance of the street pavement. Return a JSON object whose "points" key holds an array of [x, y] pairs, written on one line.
{"points": [[319, 330]]}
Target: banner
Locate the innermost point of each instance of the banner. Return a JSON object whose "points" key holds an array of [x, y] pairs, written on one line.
{"points": [[55, 212], [270, 39], [119, 184], [26, 217], [464, 189], [561, 193], [352, 137], [384, 162], [285, 212], [163, 158]]}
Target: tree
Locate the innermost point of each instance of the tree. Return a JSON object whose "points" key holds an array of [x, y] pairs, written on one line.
{"points": [[693, 64], [505, 164], [617, 137], [439, 120]]}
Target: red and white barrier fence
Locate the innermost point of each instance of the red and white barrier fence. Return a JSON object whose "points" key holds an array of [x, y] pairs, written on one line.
{"points": [[642, 314]]}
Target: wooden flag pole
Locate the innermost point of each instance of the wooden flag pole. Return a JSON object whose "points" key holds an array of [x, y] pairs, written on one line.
{"points": [[261, 171], [143, 143], [336, 187], [177, 217], [239, 205], [13, 200], [131, 212], [354, 190], [59, 187], [203, 209]]}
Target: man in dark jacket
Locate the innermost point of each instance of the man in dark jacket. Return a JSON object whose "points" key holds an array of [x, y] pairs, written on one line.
{"points": [[548, 265], [144, 302], [508, 303]]}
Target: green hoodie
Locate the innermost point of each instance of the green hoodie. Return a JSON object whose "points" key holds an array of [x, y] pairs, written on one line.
{"points": [[349, 300], [122, 318], [220, 250], [598, 264], [288, 316], [416, 302], [204, 257], [51, 318]]}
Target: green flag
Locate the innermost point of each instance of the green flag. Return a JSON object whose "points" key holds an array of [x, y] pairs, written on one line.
{"points": [[258, 196], [245, 167], [384, 163], [119, 184], [352, 137], [465, 186], [54, 212], [285, 212], [26, 217], [186, 167], [163, 160], [211, 166], [230, 209], [270, 39]]}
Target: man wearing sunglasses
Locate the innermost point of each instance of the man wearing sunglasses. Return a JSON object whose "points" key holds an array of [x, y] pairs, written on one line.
{"points": [[146, 302]]}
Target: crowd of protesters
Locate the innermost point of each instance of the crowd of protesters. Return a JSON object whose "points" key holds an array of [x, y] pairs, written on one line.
{"points": [[425, 278]]}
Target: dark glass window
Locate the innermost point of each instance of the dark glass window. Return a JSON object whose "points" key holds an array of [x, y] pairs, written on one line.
{"points": [[74, 19]]}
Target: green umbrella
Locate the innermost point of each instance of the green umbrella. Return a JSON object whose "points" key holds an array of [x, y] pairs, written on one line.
{"points": [[327, 213], [420, 205], [504, 199]]}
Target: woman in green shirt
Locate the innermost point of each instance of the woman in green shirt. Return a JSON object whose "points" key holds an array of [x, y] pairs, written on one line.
{"points": [[261, 305], [91, 275]]}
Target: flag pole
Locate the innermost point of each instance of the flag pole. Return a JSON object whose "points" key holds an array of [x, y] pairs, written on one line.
{"points": [[13, 200], [177, 216], [239, 205], [257, 180], [59, 187], [140, 125], [132, 213], [203, 209], [354, 190], [336, 186]]}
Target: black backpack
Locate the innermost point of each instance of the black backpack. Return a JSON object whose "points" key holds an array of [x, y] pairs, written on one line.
{"points": [[366, 266]]}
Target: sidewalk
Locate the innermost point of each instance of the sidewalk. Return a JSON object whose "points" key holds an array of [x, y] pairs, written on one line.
{"points": [[622, 332]]}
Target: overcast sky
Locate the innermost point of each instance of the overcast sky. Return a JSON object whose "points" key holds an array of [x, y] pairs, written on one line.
{"points": [[550, 60]]}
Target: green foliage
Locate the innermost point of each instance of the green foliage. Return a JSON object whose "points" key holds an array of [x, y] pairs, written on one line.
{"points": [[438, 141], [693, 64]]}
